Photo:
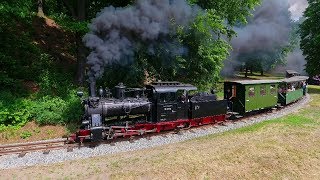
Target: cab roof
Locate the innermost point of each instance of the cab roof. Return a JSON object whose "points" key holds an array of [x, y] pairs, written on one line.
{"points": [[170, 86]]}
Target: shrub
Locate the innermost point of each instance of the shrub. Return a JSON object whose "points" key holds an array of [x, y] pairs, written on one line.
{"points": [[55, 110], [17, 111], [25, 134], [14, 111]]}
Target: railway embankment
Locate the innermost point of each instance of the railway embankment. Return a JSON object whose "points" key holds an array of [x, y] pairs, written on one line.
{"points": [[282, 146]]}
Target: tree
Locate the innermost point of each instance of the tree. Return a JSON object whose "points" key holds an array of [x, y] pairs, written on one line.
{"points": [[206, 41], [40, 8], [74, 15], [310, 37]]}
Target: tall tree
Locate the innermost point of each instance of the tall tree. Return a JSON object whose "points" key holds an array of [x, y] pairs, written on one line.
{"points": [[310, 37], [40, 8], [205, 41]]}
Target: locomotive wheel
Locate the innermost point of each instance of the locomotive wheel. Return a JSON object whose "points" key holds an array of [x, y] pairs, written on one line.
{"points": [[110, 134]]}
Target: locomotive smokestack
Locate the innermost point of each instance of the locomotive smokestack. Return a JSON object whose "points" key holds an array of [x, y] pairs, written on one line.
{"points": [[93, 88], [120, 90]]}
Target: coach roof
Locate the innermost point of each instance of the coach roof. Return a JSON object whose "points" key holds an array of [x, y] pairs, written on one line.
{"points": [[245, 82], [295, 79]]}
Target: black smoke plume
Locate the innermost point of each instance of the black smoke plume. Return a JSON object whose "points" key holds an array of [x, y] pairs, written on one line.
{"points": [[263, 37], [117, 33]]}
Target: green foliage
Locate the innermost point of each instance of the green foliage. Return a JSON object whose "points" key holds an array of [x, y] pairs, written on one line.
{"points": [[55, 110], [25, 134], [13, 111], [201, 64], [55, 102], [20, 9], [234, 11], [132, 75], [17, 50], [69, 24], [310, 37]]}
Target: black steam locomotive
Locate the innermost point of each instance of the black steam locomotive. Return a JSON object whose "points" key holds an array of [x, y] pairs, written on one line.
{"points": [[160, 106]]}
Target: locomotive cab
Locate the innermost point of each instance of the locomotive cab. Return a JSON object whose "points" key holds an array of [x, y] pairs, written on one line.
{"points": [[170, 100]]}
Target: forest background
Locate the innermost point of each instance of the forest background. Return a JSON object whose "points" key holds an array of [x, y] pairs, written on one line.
{"points": [[43, 57]]}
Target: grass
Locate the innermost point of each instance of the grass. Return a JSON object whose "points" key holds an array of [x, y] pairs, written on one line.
{"points": [[256, 75], [284, 148], [32, 132]]}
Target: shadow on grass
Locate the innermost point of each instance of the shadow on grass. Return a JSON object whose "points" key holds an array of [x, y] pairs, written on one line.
{"points": [[312, 89]]}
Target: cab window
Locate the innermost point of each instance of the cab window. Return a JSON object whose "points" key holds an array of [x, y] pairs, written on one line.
{"points": [[181, 95], [167, 97], [234, 91]]}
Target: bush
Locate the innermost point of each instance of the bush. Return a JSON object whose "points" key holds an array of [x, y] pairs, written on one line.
{"points": [[14, 111], [17, 111], [25, 134], [55, 110]]}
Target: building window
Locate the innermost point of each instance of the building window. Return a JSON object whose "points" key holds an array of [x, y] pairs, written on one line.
{"points": [[273, 89], [251, 92], [263, 91]]}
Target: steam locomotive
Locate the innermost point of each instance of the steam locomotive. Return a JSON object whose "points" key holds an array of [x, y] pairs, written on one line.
{"points": [[160, 106], [163, 106]]}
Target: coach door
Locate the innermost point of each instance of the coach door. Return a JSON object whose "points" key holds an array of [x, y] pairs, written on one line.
{"points": [[250, 103]]}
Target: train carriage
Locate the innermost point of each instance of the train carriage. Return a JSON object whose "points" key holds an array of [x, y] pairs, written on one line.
{"points": [[249, 95], [292, 89]]}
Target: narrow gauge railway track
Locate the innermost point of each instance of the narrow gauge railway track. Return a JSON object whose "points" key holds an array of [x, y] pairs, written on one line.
{"points": [[23, 148], [46, 146]]}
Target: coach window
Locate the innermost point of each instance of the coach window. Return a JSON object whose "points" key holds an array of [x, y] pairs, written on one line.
{"points": [[263, 90], [273, 89], [251, 92]]}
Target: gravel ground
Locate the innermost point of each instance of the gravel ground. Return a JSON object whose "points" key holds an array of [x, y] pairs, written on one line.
{"points": [[38, 158]]}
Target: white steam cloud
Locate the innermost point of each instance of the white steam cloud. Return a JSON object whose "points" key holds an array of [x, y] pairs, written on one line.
{"points": [[297, 7]]}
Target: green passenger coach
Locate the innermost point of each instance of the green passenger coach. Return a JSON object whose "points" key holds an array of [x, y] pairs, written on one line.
{"points": [[292, 89], [249, 95]]}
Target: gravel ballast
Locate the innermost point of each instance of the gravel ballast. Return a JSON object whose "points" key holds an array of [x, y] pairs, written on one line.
{"points": [[38, 158]]}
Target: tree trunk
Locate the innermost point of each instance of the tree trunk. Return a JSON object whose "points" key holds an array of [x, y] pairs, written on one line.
{"points": [[40, 8], [81, 55], [246, 73], [261, 72]]}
